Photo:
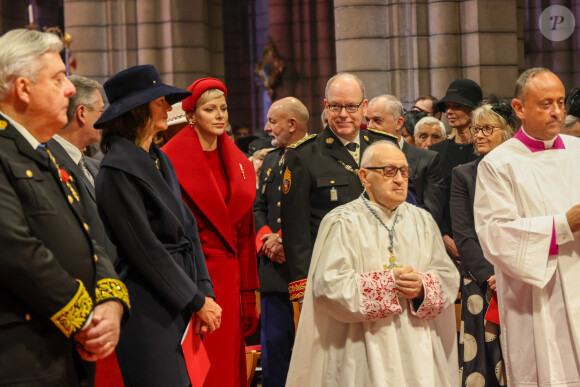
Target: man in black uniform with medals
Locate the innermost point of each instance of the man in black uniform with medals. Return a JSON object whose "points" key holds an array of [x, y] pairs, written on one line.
{"points": [[287, 123], [61, 302], [321, 173]]}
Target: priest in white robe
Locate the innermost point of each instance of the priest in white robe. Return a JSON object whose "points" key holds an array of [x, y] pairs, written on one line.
{"points": [[527, 219], [378, 308]]}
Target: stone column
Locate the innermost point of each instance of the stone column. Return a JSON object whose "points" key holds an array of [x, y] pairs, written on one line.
{"points": [[182, 39]]}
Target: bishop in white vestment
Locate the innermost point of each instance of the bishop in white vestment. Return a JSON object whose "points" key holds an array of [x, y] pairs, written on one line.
{"points": [[526, 210], [364, 323]]}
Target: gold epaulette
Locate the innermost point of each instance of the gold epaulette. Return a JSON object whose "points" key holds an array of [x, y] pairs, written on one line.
{"points": [[389, 135], [73, 316], [303, 140], [112, 288], [296, 289]]}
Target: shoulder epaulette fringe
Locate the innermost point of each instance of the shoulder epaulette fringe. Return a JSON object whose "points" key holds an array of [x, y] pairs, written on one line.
{"points": [[391, 136], [302, 141]]}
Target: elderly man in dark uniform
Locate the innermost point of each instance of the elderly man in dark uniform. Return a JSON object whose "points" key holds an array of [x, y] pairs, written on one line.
{"points": [[61, 302], [321, 173], [287, 123]]}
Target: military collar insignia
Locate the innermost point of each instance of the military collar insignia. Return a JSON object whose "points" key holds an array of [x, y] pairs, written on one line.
{"points": [[366, 138], [3, 124], [329, 140]]}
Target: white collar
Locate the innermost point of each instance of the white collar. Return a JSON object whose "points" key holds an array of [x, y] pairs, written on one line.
{"points": [[25, 133], [74, 152], [345, 142], [401, 142], [548, 143]]}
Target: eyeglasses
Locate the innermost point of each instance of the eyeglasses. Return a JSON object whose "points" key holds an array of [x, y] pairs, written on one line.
{"points": [[391, 171], [486, 130], [349, 108]]}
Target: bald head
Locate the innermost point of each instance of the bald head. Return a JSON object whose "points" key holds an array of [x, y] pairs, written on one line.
{"points": [[287, 121], [388, 191]]}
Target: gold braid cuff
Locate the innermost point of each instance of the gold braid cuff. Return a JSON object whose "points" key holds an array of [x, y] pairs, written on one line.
{"points": [[112, 288], [297, 289], [73, 316]]}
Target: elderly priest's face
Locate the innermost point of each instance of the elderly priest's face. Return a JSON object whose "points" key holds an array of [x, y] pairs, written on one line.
{"points": [[382, 189]]}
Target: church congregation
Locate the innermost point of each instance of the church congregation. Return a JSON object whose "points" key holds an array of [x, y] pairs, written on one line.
{"points": [[437, 245]]}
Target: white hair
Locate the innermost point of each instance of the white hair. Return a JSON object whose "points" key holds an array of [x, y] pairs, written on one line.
{"points": [[20, 50], [429, 121], [370, 151]]}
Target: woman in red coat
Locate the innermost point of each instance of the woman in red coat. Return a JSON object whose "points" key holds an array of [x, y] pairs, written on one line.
{"points": [[218, 184]]}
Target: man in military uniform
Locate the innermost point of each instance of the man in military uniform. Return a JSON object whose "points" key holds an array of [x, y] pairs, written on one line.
{"points": [[321, 173], [287, 123], [60, 302]]}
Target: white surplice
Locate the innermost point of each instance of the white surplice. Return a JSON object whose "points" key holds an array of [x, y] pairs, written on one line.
{"points": [[354, 330], [521, 196]]}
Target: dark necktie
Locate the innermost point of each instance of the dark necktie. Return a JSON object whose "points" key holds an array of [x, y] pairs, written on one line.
{"points": [[351, 146]]}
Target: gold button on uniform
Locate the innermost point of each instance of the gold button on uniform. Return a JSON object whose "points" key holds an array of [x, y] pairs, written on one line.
{"points": [[279, 188], [29, 173], [331, 181], [96, 258], [86, 226], [278, 204], [27, 317], [279, 220]]}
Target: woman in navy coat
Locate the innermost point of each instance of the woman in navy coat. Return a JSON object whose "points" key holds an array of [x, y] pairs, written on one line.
{"points": [[159, 252]]}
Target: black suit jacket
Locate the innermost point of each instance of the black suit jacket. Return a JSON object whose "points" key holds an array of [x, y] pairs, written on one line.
{"points": [[50, 272], [473, 261], [87, 194], [273, 276], [319, 175], [426, 183], [452, 155]]}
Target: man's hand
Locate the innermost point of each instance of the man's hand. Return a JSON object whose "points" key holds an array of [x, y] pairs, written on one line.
{"points": [[272, 248], [408, 282], [451, 247], [99, 339], [491, 283], [573, 218], [209, 317]]}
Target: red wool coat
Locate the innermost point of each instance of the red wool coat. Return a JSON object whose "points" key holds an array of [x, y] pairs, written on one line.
{"points": [[226, 231]]}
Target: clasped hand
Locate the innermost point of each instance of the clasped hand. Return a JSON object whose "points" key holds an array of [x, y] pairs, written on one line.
{"points": [[99, 339], [209, 317], [408, 282], [272, 248]]}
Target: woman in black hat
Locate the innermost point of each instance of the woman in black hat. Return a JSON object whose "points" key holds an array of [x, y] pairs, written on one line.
{"points": [[462, 96], [160, 258]]}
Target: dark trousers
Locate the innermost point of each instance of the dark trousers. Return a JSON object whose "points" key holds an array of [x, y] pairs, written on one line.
{"points": [[277, 324]]}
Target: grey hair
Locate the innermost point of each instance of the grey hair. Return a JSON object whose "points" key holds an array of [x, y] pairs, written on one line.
{"points": [[85, 94], [344, 75], [523, 81], [429, 121], [570, 120], [20, 50], [370, 151], [394, 106]]}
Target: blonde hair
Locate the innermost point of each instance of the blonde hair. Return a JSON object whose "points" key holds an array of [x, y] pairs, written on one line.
{"points": [[207, 96]]}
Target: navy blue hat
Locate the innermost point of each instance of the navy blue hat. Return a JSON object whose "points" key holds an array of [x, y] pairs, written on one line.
{"points": [[134, 87], [464, 92]]}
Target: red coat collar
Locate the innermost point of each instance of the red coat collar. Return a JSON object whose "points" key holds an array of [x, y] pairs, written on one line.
{"points": [[197, 182]]}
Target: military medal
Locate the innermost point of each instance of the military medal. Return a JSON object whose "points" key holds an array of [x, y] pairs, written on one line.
{"points": [[333, 195]]}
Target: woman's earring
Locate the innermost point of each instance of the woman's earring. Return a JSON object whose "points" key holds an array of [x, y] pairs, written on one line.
{"points": [[192, 123]]}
